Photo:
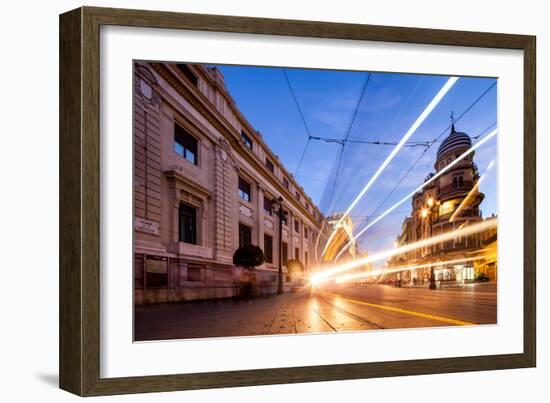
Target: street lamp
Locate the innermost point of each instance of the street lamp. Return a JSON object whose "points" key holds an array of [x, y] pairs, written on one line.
{"points": [[429, 212], [277, 208]]}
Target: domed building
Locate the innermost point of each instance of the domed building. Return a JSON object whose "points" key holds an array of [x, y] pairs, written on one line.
{"points": [[450, 202]]}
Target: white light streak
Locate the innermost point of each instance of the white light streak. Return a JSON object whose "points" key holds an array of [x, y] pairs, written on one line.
{"points": [[407, 197], [434, 102], [354, 276], [470, 229], [467, 200]]}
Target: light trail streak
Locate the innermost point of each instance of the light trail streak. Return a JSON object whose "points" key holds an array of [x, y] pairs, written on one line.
{"points": [[329, 240], [468, 199], [379, 272], [408, 196], [434, 102], [318, 240], [399, 310], [342, 268]]}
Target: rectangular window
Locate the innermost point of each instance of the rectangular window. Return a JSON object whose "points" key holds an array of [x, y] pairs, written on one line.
{"points": [[285, 183], [305, 260], [246, 140], [285, 252], [296, 226], [268, 248], [269, 165], [187, 224], [185, 144], [297, 253], [244, 190], [267, 206], [245, 235], [284, 219], [188, 73], [305, 232]]}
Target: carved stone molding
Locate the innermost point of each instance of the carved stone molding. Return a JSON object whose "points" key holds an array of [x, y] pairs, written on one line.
{"points": [[144, 83], [224, 154]]}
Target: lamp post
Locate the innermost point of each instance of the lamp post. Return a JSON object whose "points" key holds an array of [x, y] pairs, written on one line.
{"points": [[428, 213], [277, 208]]}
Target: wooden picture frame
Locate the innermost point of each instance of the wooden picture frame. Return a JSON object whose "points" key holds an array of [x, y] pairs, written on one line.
{"points": [[80, 199]]}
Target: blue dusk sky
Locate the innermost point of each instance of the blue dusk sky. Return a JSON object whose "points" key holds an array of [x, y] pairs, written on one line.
{"points": [[390, 104]]}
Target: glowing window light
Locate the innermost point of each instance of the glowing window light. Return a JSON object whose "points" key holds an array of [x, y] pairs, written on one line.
{"points": [[469, 230], [373, 273]]}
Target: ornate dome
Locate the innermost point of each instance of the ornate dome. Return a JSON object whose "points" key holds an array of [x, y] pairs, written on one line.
{"points": [[455, 141]]}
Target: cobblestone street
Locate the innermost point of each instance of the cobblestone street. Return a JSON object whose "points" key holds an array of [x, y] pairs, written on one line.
{"points": [[336, 309]]}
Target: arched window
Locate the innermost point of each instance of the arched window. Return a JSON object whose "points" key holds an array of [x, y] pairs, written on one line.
{"points": [[460, 181], [455, 182]]}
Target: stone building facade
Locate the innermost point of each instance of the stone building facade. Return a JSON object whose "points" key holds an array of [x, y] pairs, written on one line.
{"points": [[340, 238], [204, 181], [450, 202]]}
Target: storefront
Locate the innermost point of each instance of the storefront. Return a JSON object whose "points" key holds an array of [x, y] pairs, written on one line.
{"points": [[459, 273]]}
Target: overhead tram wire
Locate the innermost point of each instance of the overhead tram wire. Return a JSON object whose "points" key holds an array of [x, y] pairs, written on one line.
{"points": [[432, 142], [309, 137], [412, 167], [484, 131], [356, 237], [296, 102], [343, 141], [302, 157], [370, 217], [342, 146], [427, 143], [412, 129], [426, 182], [378, 143], [401, 180]]}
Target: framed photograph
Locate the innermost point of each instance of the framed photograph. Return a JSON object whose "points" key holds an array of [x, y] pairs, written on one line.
{"points": [[249, 201]]}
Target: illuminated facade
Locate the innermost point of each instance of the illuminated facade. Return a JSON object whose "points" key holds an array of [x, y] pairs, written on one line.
{"points": [[448, 203], [204, 182], [343, 234]]}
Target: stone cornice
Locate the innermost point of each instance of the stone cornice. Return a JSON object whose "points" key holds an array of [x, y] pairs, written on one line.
{"points": [[251, 131], [176, 176], [199, 101]]}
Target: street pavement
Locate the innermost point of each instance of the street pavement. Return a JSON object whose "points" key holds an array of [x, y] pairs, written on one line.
{"points": [[328, 309]]}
